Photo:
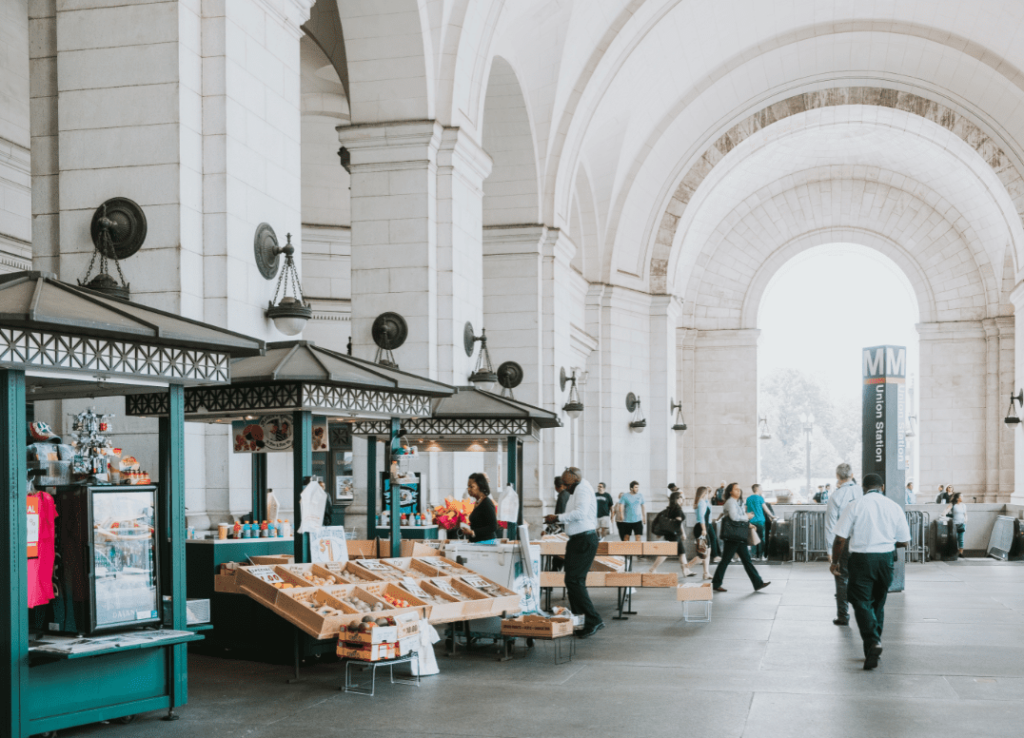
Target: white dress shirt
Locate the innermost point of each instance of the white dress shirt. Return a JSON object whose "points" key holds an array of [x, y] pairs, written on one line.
{"points": [[580, 513], [837, 502], [873, 524]]}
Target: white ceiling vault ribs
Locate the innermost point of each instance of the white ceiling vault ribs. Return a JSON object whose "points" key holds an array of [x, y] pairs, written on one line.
{"points": [[862, 130]]}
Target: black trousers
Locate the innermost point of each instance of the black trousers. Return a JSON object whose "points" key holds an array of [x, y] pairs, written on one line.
{"points": [[730, 548], [843, 584], [580, 550], [870, 577], [716, 549]]}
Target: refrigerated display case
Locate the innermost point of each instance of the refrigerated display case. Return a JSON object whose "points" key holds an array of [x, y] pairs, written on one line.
{"points": [[116, 577]]}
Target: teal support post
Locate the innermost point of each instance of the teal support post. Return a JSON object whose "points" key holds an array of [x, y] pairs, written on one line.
{"points": [[371, 487], [513, 476], [14, 593], [172, 536], [259, 486], [302, 469], [395, 508]]}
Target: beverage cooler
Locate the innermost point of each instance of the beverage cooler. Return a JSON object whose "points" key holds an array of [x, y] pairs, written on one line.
{"points": [[110, 555]]}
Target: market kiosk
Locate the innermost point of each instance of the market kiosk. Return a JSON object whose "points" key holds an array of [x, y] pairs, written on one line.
{"points": [[62, 342], [290, 385], [471, 420]]}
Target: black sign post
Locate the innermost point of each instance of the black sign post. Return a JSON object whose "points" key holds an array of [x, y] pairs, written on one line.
{"points": [[883, 431]]}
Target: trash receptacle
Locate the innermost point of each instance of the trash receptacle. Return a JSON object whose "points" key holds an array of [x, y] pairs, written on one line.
{"points": [[945, 540], [778, 541]]}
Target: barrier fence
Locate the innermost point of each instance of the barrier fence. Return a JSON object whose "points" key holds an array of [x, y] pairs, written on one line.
{"points": [[808, 542]]}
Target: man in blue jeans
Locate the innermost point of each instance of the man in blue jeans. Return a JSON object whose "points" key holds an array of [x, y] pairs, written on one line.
{"points": [[875, 527], [580, 521]]}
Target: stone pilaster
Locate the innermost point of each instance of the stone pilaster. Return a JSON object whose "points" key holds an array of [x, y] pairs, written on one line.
{"points": [[954, 394], [15, 138], [724, 426], [665, 312]]}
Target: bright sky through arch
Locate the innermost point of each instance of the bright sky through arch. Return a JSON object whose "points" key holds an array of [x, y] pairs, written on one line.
{"points": [[828, 303]]}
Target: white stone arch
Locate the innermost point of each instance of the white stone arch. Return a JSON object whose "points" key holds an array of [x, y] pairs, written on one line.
{"points": [[910, 225], [512, 190], [823, 237], [390, 59], [677, 211]]}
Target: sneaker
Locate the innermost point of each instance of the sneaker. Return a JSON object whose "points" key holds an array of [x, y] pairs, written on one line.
{"points": [[716, 559], [689, 573], [590, 631], [871, 659]]}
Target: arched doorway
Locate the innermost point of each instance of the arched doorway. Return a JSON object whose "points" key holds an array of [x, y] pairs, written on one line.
{"points": [[815, 315]]}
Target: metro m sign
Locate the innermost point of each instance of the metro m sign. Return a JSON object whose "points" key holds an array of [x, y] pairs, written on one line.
{"points": [[883, 433], [885, 363]]}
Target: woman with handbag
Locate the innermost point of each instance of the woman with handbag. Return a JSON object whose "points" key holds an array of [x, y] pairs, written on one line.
{"points": [[670, 524], [700, 531], [736, 529], [958, 511]]}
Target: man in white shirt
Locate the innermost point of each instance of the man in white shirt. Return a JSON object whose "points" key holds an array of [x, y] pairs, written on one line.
{"points": [[846, 492], [875, 527], [580, 521]]}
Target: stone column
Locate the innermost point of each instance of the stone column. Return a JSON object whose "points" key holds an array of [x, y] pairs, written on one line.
{"points": [[556, 304], [15, 138], [665, 311], [724, 427], [1017, 432], [999, 386], [686, 339], [953, 401]]}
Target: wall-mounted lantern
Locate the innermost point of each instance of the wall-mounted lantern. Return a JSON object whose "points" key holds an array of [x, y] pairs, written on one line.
{"points": [[574, 405], [678, 423], [484, 376], [638, 422], [291, 314]]}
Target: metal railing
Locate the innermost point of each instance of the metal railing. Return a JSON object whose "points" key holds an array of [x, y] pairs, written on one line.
{"points": [[807, 535], [919, 522]]}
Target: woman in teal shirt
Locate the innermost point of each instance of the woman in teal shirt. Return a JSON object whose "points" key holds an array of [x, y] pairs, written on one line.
{"points": [[633, 513], [755, 504]]}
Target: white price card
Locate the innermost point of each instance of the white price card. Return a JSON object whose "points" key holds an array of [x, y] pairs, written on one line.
{"points": [[265, 573]]}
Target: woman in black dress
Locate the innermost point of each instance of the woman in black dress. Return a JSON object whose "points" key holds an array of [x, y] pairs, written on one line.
{"points": [[483, 521]]}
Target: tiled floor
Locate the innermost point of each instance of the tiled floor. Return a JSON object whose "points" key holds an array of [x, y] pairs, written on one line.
{"points": [[770, 664]]}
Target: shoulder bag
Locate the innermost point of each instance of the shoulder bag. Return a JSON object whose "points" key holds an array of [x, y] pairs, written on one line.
{"points": [[735, 530]]}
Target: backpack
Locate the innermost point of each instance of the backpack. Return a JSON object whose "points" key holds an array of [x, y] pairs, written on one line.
{"points": [[662, 524]]}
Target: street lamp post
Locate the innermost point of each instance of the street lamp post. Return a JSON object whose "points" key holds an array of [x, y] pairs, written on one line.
{"points": [[808, 420]]}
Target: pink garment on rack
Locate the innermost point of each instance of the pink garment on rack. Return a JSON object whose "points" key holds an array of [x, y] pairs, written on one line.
{"points": [[40, 569]]}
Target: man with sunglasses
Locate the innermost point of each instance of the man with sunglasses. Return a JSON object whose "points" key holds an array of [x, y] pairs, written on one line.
{"points": [[580, 521]]}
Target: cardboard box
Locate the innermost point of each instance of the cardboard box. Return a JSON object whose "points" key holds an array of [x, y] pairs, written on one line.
{"points": [[654, 579], [623, 579], [368, 549], [367, 652], [660, 548], [348, 573], [446, 611], [293, 605], [621, 548], [446, 567], [503, 600], [420, 548], [225, 580], [415, 568], [272, 560], [552, 547], [473, 604], [695, 591], [407, 624], [258, 582], [535, 626], [408, 645], [375, 569], [377, 589]]}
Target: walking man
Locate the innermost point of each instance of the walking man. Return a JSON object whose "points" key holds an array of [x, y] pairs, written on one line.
{"points": [[580, 521], [874, 527], [605, 503], [847, 491]]}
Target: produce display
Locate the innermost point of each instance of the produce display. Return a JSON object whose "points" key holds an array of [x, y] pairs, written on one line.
{"points": [[315, 580], [491, 590], [417, 591], [445, 586], [361, 605], [394, 601]]}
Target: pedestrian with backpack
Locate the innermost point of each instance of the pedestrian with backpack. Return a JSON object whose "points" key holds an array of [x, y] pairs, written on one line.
{"points": [[670, 524]]}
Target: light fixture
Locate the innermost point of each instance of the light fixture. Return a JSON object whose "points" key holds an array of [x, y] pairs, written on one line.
{"points": [[484, 376], [763, 431], [677, 407], [911, 426], [118, 230], [1011, 416], [389, 331], [291, 314], [573, 406], [638, 422], [510, 375]]}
